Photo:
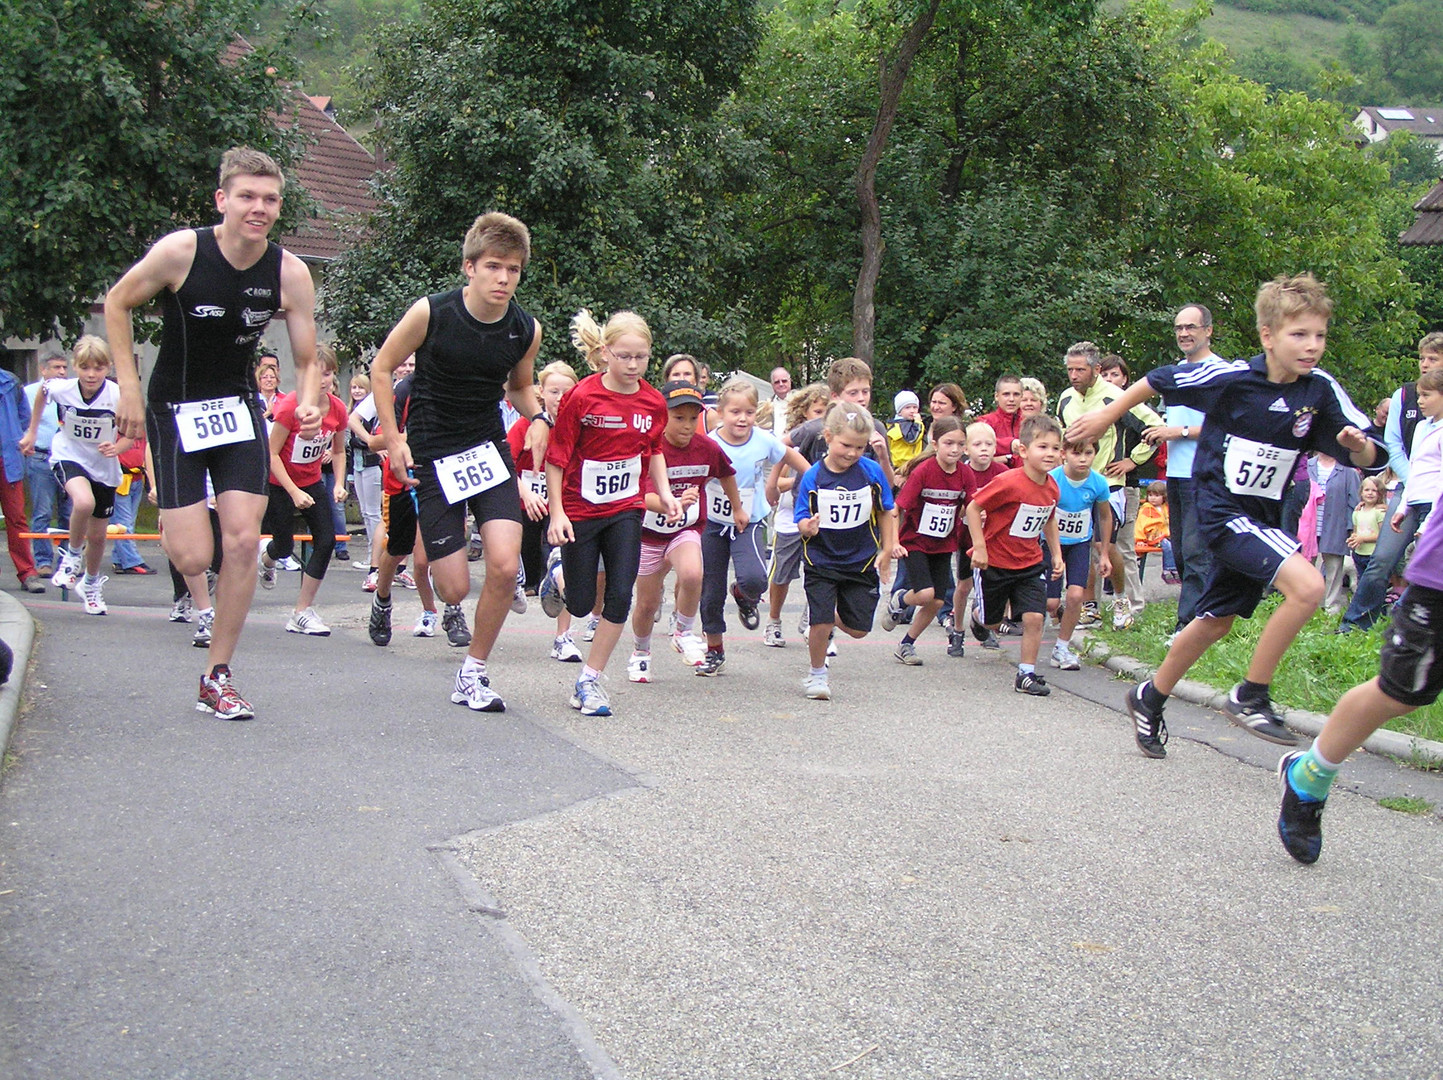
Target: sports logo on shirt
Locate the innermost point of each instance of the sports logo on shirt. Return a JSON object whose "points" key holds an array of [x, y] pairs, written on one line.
{"points": [[257, 292], [207, 311], [642, 421], [610, 423], [255, 318], [1280, 405], [1304, 422]]}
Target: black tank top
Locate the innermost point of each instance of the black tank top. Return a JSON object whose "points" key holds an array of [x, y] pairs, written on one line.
{"points": [[212, 324], [1408, 422], [462, 370]]}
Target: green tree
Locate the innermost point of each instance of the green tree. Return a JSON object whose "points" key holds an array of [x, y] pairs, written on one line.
{"points": [[113, 118], [590, 121], [1410, 50]]}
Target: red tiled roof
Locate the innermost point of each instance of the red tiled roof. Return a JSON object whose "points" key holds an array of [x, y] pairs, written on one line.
{"points": [[1427, 229], [336, 171]]}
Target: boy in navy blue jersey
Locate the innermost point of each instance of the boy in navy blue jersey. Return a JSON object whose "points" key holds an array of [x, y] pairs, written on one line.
{"points": [[1261, 415], [845, 514]]}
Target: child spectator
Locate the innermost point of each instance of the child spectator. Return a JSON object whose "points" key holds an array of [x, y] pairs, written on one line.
{"points": [[1154, 532], [1425, 462], [1331, 514], [1368, 517], [1007, 564], [905, 434]]}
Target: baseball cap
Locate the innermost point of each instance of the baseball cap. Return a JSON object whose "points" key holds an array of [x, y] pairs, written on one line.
{"points": [[678, 392]]}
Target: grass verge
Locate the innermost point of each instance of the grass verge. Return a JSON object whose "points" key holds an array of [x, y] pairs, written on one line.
{"points": [[1317, 670]]}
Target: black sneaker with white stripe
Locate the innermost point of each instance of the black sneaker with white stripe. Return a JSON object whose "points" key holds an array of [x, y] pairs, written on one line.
{"points": [[1259, 717], [1150, 729]]}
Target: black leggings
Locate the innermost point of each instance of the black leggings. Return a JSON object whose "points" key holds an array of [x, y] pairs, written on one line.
{"points": [[614, 542], [280, 519]]}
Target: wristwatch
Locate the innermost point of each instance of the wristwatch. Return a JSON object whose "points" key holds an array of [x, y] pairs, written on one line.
{"points": [[543, 415]]}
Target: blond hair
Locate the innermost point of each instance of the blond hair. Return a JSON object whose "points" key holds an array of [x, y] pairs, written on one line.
{"points": [[326, 358], [590, 338], [498, 233], [1286, 298], [92, 350], [844, 416], [980, 427], [737, 388], [556, 367], [800, 402], [243, 161], [362, 380], [1035, 388]]}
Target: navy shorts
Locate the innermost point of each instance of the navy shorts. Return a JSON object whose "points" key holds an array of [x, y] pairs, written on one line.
{"points": [[1077, 558], [1246, 558], [443, 524], [848, 597], [994, 588], [1408, 668]]}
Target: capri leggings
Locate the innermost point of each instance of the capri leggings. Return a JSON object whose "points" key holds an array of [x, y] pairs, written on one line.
{"points": [[745, 550], [279, 522], [612, 542]]}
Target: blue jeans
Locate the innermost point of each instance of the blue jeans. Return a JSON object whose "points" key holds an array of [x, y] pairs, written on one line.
{"points": [[338, 516], [123, 553], [46, 497], [1194, 559], [1372, 587]]}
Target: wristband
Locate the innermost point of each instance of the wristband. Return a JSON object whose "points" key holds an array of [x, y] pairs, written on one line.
{"points": [[543, 416]]}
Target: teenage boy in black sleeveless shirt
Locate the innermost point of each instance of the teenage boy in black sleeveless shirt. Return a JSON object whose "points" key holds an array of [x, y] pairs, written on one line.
{"points": [[219, 288], [473, 346]]}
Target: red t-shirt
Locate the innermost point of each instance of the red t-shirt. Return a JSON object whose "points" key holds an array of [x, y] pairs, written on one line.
{"points": [[1005, 426], [974, 480], [527, 472], [1017, 510], [689, 466], [930, 503], [302, 459], [602, 444]]}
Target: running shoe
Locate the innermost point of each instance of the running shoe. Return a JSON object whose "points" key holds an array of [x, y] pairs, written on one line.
{"points": [[211, 579], [404, 579], [92, 595], [638, 668], [266, 571], [379, 624], [1121, 613], [67, 571], [518, 598], [691, 647], [139, 569], [985, 637], [219, 698], [712, 663], [360, 565], [831, 644], [289, 564], [453, 621], [426, 625], [773, 635], [553, 596], [896, 613], [32, 583], [565, 650], [590, 697], [1029, 682], [956, 645], [588, 631], [1259, 717], [804, 621], [751, 616], [906, 653], [183, 610], [1009, 628], [1064, 659], [369, 585], [473, 690], [307, 622], [1300, 820], [1090, 616], [201, 638], [1150, 729], [474, 550], [816, 688]]}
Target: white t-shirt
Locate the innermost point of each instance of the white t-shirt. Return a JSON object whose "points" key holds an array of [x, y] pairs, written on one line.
{"points": [[84, 425]]}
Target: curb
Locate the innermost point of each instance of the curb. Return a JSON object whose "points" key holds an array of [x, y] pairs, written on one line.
{"points": [[17, 629], [1408, 748]]}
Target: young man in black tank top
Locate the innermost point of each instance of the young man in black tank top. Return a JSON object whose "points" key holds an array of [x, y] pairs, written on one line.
{"points": [[473, 346], [219, 289]]}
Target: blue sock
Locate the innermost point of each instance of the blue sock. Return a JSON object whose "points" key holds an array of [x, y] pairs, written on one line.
{"points": [[1312, 775], [1027, 669]]}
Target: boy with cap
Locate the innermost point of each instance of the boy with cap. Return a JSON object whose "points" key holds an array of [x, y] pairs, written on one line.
{"points": [[905, 434]]}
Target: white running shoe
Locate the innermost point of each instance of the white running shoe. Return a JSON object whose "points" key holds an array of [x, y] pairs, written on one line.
{"points": [[266, 572], [588, 632], [1064, 659], [772, 635], [404, 580], [183, 610], [590, 697], [307, 622], [638, 668], [473, 690], [289, 563], [425, 625], [67, 570], [518, 599], [92, 595], [1121, 614], [201, 638], [691, 647], [565, 650], [816, 688]]}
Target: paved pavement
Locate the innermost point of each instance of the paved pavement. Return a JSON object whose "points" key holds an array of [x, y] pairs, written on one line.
{"points": [[927, 876]]}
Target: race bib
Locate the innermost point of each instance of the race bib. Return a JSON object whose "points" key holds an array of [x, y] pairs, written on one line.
{"points": [[938, 519], [309, 451], [1073, 525], [656, 521], [1029, 520], [91, 429], [470, 472], [217, 422], [719, 507], [534, 481], [839, 508], [605, 482], [1258, 469]]}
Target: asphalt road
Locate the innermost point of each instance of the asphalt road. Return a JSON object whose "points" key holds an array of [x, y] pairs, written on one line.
{"points": [[928, 876]]}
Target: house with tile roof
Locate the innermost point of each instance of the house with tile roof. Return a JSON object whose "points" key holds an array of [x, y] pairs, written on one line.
{"points": [[1427, 229], [1426, 124]]}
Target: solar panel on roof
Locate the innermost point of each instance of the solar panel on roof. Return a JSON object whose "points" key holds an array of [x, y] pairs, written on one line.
{"points": [[1395, 114]]}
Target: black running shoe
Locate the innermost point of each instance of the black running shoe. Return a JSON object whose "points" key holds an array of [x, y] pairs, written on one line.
{"points": [[380, 624], [453, 621], [1029, 682], [956, 645], [985, 637], [751, 616], [711, 664], [1300, 821], [1150, 729], [1259, 717]]}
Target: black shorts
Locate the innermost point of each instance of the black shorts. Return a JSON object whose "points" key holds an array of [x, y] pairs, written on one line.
{"points": [[928, 570], [848, 597], [66, 471], [180, 477], [399, 516], [995, 588], [1408, 669], [1077, 558], [1246, 558], [443, 524]]}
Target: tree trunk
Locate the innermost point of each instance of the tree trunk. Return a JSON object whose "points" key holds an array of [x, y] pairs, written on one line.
{"points": [[893, 70]]}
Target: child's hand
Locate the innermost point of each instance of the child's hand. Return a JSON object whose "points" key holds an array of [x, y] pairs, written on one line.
{"points": [[560, 531], [898, 551], [741, 517], [878, 443], [108, 449], [979, 556], [1352, 541], [339, 494], [533, 503], [809, 526], [302, 500], [1059, 567], [689, 497], [1104, 564], [27, 444], [1350, 438], [1397, 520], [671, 508]]}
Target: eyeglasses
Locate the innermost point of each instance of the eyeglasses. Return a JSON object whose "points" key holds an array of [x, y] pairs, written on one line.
{"points": [[1187, 328], [630, 358]]}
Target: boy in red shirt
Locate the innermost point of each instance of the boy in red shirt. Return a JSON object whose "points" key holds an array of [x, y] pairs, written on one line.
{"points": [[1007, 565]]}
